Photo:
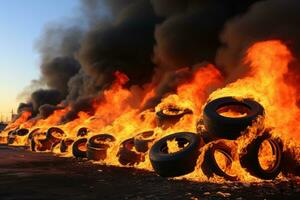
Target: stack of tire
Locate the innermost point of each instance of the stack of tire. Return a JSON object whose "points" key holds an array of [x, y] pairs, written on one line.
{"points": [[219, 135]]}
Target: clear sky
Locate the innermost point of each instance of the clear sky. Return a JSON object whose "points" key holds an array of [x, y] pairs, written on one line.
{"points": [[21, 23]]}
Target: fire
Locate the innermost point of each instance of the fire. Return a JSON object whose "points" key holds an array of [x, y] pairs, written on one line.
{"points": [[117, 110], [174, 147], [22, 119], [266, 84]]}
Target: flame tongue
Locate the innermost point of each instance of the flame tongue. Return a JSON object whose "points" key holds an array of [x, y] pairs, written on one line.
{"points": [[118, 110]]}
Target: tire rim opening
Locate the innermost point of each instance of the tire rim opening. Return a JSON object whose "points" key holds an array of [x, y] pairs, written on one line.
{"points": [[57, 135], [234, 110], [267, 155], [82, 147], [175, 145], [224, 161]]}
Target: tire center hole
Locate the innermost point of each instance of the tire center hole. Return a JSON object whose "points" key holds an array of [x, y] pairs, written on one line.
{"points": [[57, 134], [175, 145], [224, 161], [234, 111], [266, 156], [82, 147]]}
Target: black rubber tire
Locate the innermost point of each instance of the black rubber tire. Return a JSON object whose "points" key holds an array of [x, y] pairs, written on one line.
{"points": [[96, 154], [98, 145], [250, 161], [11, 136], [76, 151], [82, 132], [19, 137], [178, 163], [101, 140], [210, 166], [31, 135], [126, 154], [65, 145], [54, 139], [38, 144], [142, 141], [226, 127], [166, 120]]}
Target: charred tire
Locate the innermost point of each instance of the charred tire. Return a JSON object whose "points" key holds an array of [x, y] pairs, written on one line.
{"points": [[227, 127], [82, 132], [178, 163], [126, 154], [20, 136], [250, 160], [38, 144], [142, 141], [98, 145], [101, 140], [79, 148], [210, 165], [167, 120], [54, 135], [65, 144], [31, 135], [11, 137]]}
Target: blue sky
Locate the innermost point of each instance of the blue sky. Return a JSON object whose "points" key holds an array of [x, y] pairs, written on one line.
{"points": [[21, 23]]}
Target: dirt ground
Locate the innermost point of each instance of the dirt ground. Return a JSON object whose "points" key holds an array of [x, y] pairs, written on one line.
{"points": [[25, 175]]}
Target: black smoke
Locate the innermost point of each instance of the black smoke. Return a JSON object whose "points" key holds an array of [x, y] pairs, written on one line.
{"points": [[148, 40]]}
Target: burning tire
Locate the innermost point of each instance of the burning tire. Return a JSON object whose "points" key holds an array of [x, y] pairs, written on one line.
{"points": [[218, 159], [31, 135], [21, 136], [169, 116], [11, 137], [142, 141], [268, 168], [98, 145], [127, 155], [55, 135], [39, 142], [227, 117], [82, 132], [170, 164], [65, 145], [79, 148]]}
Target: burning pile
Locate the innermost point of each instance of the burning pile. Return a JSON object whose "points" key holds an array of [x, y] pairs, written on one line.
{"points": [[246, 130]]}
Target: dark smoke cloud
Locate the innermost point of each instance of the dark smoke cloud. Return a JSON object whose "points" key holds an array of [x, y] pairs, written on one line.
{"points": [[82, 104], [57, 73], [189, 34], [125, 45], [136, 37], [42, 97], [46, 110], [25, 107]]}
